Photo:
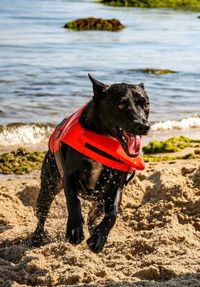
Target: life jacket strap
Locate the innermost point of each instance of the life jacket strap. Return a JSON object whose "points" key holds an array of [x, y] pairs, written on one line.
{"points": [[130, 177], [101, 152]]}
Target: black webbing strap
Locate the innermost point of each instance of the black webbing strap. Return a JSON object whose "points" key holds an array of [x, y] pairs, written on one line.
{"points": [[103, 153], [130, 177], [110, 157]]}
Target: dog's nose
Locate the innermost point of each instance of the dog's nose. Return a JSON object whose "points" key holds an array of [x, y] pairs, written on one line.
{"points": [[143, 128], [146, 127]]}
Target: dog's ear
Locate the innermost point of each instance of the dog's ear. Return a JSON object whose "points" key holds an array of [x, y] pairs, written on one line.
{"points": [[98, 87], [141, 85]]}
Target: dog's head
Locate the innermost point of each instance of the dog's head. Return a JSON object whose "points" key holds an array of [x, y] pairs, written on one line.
{"points": [[122, 110]]}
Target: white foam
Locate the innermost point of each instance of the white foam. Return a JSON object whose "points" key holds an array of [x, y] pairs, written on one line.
{"points": [[183, 124], [38, 134], [24, 135]]}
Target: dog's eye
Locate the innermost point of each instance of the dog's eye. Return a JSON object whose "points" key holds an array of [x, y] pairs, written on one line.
{"points": [[146, 105], [122, 106], [146, 108], [142, 102]]}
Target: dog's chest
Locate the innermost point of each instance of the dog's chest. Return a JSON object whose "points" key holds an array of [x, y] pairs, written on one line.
{"points": [[93, 179]]}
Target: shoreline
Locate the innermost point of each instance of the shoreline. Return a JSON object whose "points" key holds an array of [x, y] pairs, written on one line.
{"points": [[22, 160], [158, 135]]}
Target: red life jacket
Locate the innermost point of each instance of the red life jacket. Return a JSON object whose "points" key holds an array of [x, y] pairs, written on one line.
{"points": [[101, 148]]}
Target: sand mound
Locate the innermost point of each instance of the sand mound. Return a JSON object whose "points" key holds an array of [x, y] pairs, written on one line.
{"points": [[155, 242]]}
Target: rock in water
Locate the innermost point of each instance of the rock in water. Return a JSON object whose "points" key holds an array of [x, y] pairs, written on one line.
{"points": [[94, 24], [186, 4]]}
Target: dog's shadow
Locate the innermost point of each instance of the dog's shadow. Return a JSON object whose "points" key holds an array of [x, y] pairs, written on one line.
{"points": [[28, 196]]}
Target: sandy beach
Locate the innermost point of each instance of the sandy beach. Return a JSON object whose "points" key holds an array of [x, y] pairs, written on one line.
{"points": [[155, 242], [44, 79]]}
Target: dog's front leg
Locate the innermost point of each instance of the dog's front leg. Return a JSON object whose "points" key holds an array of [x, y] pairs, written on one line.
{"points": [[98, 238], [74, 232], [51, 184]]}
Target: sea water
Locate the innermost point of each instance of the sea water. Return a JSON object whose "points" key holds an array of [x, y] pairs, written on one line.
{"points": [[44, 67]]}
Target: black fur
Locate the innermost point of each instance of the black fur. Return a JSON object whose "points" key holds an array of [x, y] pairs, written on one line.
{"points": [[113, 109]]}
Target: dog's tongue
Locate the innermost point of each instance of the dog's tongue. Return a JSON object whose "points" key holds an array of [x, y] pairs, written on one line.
{"points": [[134, 143]]}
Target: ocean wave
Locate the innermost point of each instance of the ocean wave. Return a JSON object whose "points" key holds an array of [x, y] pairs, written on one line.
{"points": [[35, 134], [20, 134], [183, 124]]}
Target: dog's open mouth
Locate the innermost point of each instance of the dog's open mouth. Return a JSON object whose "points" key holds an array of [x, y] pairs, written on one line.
{"points": [[130, 143]]}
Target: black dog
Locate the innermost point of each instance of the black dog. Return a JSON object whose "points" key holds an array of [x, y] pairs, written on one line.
{"points": [[119, 111]]}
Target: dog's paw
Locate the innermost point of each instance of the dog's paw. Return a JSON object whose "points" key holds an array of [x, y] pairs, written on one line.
{"points": [[97, 241], [37, 238], [75, 235]]}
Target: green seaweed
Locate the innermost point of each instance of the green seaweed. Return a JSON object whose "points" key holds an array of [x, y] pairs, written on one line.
{"points": [[23, 161], [186, 4], [92, 23], [157, 71], [154, 158], [170, 145], [20, 161]]}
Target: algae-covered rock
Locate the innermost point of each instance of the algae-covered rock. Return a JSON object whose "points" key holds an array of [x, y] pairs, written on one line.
{"points": [[170, 145], [20, 161], [186, 4], [156, 71], [94, 24], [23, 161]]}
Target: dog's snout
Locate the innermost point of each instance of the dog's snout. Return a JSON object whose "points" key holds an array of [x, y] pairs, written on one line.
{"points": [[147, 126], [142, 127]]}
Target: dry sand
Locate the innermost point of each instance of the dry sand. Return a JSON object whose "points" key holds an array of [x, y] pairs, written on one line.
{"points": [[155, 242]]}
